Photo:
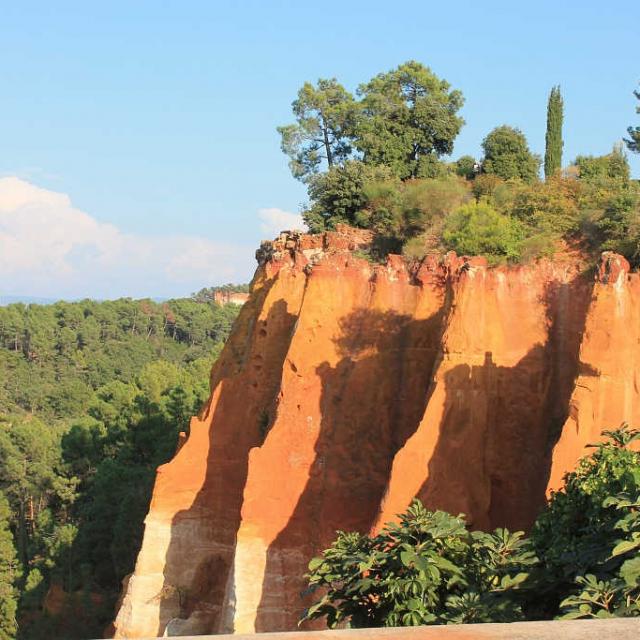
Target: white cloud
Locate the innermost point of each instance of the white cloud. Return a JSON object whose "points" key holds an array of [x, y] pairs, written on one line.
{"points": [[50, 248], [274, 220]]}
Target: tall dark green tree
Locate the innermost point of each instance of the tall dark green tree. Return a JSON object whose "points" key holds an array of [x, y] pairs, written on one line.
{"points": [[633, 142], [553, 139], [409, 119], [325, 120]]}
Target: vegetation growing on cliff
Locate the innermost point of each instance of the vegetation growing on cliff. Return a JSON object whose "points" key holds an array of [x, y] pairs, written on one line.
{"points": [[371, 162], [553, 138], [92, 398], [633, 142], [93, 395], [507, 155], [581, 560], [406, 119], [594, 204]]}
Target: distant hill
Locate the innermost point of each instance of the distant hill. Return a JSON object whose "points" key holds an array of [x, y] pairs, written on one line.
{"points": [[7, 300]]}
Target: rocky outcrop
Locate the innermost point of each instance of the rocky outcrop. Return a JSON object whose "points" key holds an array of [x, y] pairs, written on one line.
{"points": [[224, 298], [607, 388], [347, 388]]}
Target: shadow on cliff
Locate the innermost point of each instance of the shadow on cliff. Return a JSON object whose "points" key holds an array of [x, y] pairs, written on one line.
{"points": [[371, 402], [500, 424], [203, 537], [492, 458]]}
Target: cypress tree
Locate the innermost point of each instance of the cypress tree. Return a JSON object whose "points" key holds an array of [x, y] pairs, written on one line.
{"points": [[553, 139]]}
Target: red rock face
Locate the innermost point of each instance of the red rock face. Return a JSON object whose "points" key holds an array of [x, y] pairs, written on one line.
{"points": [[348, 388]]}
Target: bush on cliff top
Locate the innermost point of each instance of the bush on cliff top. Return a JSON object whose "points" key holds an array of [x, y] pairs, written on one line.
{"points": [[478, 229], [581, 561], [513, 220]]}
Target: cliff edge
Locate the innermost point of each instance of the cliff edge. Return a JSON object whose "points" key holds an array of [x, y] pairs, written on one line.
{"points": [[348, 388]]}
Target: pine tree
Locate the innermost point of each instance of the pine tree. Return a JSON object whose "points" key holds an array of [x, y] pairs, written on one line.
{"points": [[9, 572], [633, 142], [553, 139]]}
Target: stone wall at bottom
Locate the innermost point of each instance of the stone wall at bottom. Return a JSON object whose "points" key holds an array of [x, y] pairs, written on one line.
{"points": [[613, 629]]}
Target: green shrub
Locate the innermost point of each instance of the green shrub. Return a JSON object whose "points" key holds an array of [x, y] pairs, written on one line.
{"points": [[466, 167], [406, 209], [503, 194], [418, 247], [426, 201], [588, 537], [581, 561], [526, 219], [540, 245], [428, 569], [619, 224], [484, 186], [381, 207], [476, 228], [549, 207], [601, 168], [337, 195], [610, 216]]}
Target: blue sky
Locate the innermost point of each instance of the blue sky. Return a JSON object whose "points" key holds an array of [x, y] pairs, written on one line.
{"points": [[156, 120]]}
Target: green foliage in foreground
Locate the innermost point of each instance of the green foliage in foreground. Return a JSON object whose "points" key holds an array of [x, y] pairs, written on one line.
{"points": [[588, 538], [582, 559], [92, 398], [428, 569]]}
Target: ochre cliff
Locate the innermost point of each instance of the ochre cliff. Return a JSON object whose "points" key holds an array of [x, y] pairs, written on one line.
{"points": [[348, 388]]}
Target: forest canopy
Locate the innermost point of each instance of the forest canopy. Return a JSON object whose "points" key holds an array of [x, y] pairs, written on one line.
{"points": [[93, 396]]}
